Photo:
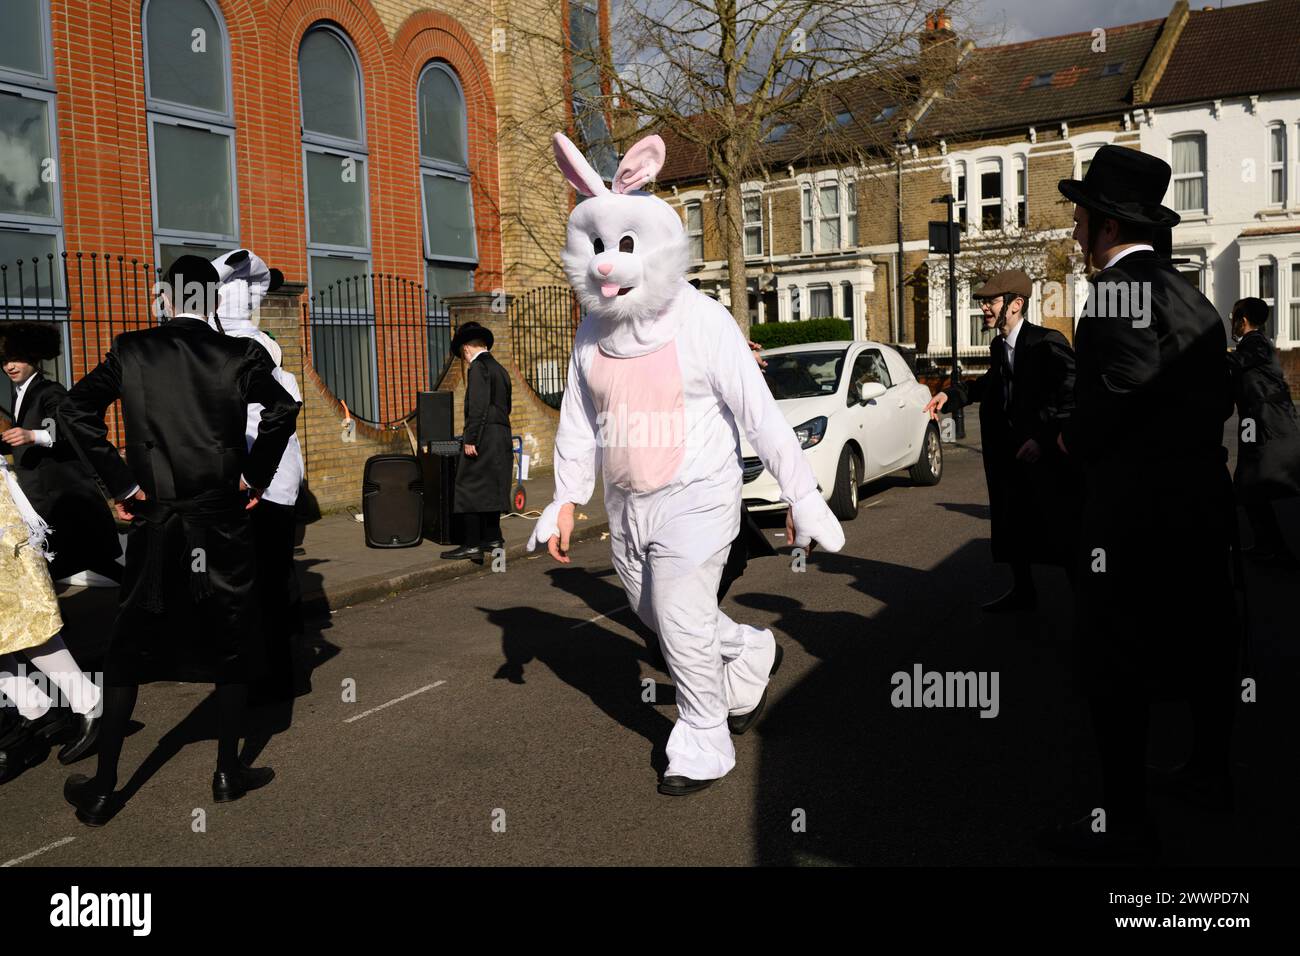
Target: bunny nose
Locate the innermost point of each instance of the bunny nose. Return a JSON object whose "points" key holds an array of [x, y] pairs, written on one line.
{"points": [[605, 268]]}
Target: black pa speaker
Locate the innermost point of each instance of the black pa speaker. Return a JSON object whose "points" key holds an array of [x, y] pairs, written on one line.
{"points": [[438, 463], [434, 417], [392, 501]]}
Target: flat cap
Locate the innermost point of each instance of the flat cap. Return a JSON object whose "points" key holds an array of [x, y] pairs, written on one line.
{"points": [[1010, 282]]}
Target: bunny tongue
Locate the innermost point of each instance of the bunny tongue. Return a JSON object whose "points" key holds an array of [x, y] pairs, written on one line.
{"points": [[609, 289]]}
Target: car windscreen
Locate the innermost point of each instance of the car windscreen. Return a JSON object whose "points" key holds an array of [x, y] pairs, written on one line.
{"points": [[804, 374]]}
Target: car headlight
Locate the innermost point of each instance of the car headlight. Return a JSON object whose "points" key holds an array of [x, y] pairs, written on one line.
{"points": [[811, 431]]}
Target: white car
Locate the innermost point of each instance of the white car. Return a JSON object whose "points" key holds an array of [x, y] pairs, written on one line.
{"points": [[858, 412]]}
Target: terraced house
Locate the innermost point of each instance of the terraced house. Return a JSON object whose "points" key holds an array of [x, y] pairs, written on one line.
{"points": [[1215, 92]]}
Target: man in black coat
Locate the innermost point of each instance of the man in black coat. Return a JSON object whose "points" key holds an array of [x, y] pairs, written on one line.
{"points": [[187, 609], [1156, 612], [57, 483], [483, 475], [1268, 436], [1025, 397]]}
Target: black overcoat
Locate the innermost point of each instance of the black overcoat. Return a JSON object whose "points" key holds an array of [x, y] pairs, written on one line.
{"points": [[187, 608], [1152, 392], [1032, 507], [1268, 465], [62, 489], [484, 482]]}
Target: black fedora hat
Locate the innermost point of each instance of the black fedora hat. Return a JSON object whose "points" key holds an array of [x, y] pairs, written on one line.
{"points": [[468, 333], [1124, 184]]}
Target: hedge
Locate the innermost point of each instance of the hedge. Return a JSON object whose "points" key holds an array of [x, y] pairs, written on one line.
{"points": [[772, 335]]}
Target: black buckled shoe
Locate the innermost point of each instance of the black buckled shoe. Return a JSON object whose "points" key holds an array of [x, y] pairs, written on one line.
{"points": [[82, 744], [742, 722], [462, 552], [229, 787], [94, 807], [682, 786]]}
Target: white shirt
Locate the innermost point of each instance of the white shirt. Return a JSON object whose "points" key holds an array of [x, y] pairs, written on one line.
{"points": [[1137, 247], [1010, 342], [40, 436]]}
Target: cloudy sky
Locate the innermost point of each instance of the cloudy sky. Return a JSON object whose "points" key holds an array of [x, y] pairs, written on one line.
{"points": [[1028, 19]]}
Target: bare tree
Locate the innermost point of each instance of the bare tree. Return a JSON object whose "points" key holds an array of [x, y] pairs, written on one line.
{"points": [[750, 84]]}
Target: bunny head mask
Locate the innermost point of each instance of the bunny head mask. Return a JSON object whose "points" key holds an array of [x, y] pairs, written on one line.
{"points": [[626, 251]]}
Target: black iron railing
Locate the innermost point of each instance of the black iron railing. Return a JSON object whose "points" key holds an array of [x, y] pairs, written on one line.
{"points": [[543, 322], [376, 341], [93, 297]]}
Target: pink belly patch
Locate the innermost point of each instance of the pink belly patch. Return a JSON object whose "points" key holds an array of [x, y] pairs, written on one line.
{"points": [[640, 417]]}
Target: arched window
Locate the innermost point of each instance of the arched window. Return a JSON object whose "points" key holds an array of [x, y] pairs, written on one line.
{"points": [[31, 216], [334, 162], [191, 129], [450, 242]]}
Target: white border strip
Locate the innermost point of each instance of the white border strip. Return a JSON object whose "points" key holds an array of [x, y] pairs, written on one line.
{"points": [[53, 846], [395, 700]]}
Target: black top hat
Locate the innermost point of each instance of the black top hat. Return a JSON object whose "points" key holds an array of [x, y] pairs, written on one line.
{"points": [[32, 342], [469, 332], [1125, 185]]}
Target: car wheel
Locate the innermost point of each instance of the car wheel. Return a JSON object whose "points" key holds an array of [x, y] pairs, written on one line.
{"points": [[844, 498], [929, 466]]}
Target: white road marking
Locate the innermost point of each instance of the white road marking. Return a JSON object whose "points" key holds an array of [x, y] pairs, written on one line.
{"points": [[44, 849], [395, 700], [599, 617]]}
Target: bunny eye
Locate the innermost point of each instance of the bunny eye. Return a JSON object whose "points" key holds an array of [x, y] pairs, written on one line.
{"points": [[625, 244], [597, 244]]}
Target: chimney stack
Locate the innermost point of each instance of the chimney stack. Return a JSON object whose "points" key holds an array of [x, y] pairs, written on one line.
{"points": [[939, 50]]}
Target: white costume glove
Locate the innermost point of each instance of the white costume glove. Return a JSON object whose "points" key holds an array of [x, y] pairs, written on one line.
{"points": [[548, 525], [813, 521]]}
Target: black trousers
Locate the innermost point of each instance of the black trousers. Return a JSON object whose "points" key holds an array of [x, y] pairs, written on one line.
{"points": [[480, 526]]}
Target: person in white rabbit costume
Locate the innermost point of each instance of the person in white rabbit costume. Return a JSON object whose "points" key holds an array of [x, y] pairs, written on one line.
{"points": [[661, 381]]}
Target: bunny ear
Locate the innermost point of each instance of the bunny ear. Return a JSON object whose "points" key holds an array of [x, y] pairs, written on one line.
{"points": [[641, 164], [576, 169]]}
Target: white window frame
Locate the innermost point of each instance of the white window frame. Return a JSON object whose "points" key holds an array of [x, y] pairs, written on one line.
{"points": [[1020, 197], [851, 214], [751, 225], [837, 218], [1291, 338], [818, 288], [807, 217], [1277, 166], [161, 111], [695, 235], [1273, 301], [960, 204], [981, 169], [1203, 175]]}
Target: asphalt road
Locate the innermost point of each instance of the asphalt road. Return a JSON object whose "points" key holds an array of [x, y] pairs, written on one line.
{"points": [[499, 719]]}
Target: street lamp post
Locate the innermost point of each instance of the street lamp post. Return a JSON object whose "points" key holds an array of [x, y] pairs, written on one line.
{"points": [[949, 240]]}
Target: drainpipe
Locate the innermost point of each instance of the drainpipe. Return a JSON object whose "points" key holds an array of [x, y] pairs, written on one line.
{"points": [[896, 321]]}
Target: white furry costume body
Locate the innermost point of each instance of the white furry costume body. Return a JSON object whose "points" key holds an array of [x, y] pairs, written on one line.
{"points": [[661, 382]]}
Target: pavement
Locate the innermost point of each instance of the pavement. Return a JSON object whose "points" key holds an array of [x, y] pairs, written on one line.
{"points": [[520, 716], [336, 568]]}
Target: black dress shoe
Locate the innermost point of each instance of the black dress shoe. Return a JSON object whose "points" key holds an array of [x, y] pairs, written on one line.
{"points": [[464, 551], [228, 787], [94, 807], [20, 755], [742, 722], [493, 545], [681, 786], [83, 742], [1115, 844], [1017, 599]]}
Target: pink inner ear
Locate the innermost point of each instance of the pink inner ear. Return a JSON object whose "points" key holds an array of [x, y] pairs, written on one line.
{"points": [[575, 167], [640, 165]]}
